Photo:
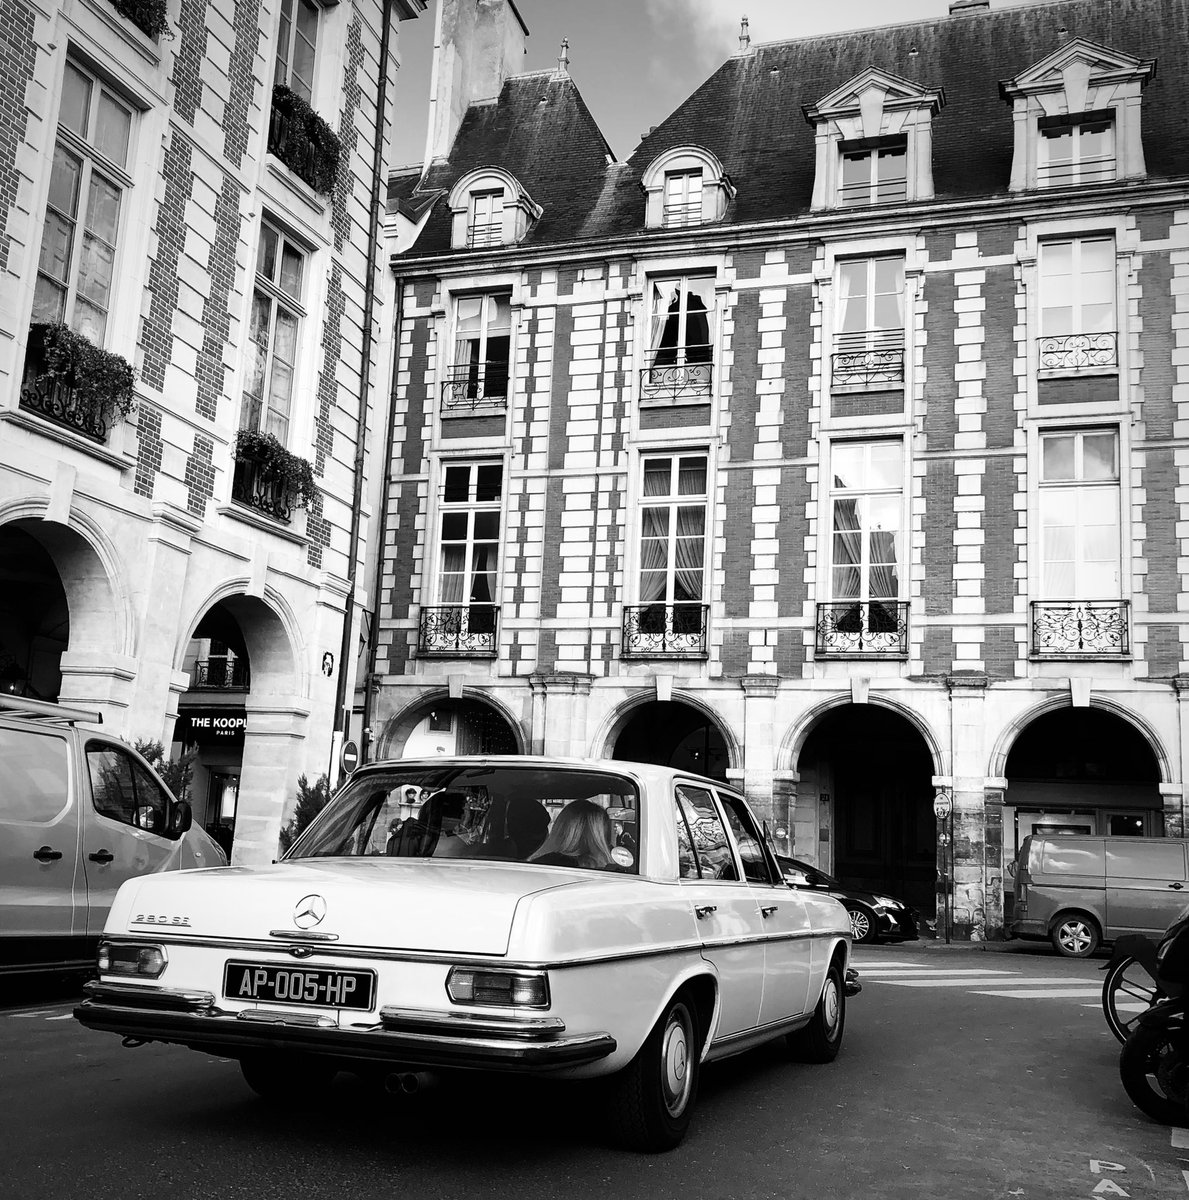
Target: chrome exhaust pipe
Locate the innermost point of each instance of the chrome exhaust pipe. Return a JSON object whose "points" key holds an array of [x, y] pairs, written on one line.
{"points": [[408, 1083]]}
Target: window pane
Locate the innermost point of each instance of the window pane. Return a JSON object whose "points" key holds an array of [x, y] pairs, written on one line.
{"points": [[49, 302], [691, 477], [1098, 456], [657, 473], [113, 127], [852, 282], [266, 253], [151, 803], [470, 314], [846, 459], [887, 465], [103, 208], [457, 487], [91, 322], [500, 320], [656, 523], [95, 271], [57, 241], [454, 526], [489, 484], [710, 838], [111, 783], [291, 265], [856, 178], [64, 182], [487, 526], [76, 100], [1057, 457]]}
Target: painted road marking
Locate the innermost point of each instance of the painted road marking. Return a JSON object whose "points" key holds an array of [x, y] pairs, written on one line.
{"points": [[63, 1017], [1044, 993], [1017, 981], [917, 972], [1180, 1138]]}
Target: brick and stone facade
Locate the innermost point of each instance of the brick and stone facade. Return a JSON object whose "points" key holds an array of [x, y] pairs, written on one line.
{"points": [[146, 531]]}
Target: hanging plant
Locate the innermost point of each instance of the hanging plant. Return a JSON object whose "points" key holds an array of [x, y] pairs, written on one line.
{"points": [[283, 469], [148, 16], [100, 381], [303, 141]]}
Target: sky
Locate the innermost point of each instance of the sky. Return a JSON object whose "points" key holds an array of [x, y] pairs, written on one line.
{"points": [[635, 61]]}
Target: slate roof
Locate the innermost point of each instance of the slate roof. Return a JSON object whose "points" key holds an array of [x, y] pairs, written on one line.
{"points": [[749, 113]]}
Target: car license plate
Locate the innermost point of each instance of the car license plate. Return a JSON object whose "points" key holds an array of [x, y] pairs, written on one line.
{"points": [[320, 987]]}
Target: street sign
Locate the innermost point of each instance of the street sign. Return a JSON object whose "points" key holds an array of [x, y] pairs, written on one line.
{"points": [[942, 805], [349, 758]]}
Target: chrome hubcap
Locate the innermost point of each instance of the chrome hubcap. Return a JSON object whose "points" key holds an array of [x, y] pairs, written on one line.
{"points": [[675, 1073], [831, 1007]]}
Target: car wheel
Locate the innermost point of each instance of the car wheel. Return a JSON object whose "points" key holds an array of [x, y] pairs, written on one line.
{"points": [[284, 1078], [821, 1039], [862, 927], [1074, 936], [655, 1092]]}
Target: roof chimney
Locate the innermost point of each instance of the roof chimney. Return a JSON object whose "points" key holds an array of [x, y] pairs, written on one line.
{"points": [[965, 8], [477, 45]]}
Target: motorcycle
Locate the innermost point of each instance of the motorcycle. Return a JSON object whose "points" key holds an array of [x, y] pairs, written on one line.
{"points": [[1154, 1062]]}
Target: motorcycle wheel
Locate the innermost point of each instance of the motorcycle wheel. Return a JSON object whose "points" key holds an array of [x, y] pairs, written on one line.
{"points": [[1155, 1072], [1127, 984]]}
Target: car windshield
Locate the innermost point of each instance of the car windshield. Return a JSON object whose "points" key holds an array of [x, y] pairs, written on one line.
{"points": [[548, 816]]}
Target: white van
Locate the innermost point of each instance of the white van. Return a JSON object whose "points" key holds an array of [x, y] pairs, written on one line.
{"points": [[80, 812]]}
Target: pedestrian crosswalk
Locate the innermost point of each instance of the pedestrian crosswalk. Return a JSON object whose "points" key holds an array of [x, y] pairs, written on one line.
{"points": [[980, 981]]}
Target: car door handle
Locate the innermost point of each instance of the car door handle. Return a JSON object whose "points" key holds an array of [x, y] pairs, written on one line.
{"points": [[46, 854], [768, 910], [1177, 886], [701, 911], [102, 856]]}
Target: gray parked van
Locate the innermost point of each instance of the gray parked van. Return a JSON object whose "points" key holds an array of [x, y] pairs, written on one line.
{"points": [[1079, 891], [80, 812]]}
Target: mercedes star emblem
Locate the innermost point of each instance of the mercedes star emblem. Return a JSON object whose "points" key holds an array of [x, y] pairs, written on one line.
{"points": [[310, 911]]}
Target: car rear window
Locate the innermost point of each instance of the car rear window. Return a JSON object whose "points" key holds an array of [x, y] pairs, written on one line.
{"points": [[548, 816]]}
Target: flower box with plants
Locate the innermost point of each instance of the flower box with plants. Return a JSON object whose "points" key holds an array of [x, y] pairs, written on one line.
{"points": [[147, 15], [303, 141], [75, 383], [268, 477]]}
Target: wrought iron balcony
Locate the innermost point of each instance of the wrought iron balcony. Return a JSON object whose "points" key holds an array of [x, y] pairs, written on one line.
{"points": [[1071, 352], [458, 630], [220, 675], [303, 141], [678, 373], [862, 629], [1080, 628], [869, 358], [665, 630], [257, 484], [679, 214], [475, 386], [62, 404], [485, 233]]}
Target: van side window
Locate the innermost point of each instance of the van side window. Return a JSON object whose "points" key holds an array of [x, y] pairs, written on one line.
{"points": [[123, 791], [1147, 861], [34, 776]]}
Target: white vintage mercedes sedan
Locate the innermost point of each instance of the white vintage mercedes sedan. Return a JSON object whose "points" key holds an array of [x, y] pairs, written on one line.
{"points": [[550, 916]]}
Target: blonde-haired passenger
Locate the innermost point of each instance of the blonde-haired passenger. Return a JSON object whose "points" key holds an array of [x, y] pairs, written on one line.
{"points": [[580, 836]]}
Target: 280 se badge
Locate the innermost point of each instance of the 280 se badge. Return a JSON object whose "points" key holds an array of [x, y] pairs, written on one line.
{"points": [[575, 919]]}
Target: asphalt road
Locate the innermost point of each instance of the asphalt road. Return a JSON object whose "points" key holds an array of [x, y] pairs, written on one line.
{"points": [[941, 1091]]}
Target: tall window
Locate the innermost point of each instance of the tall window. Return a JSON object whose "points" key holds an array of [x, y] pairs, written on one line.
{"points": [[869, 344], [874, 175], [673, 537], [1079, 515], [1077, 280], [482, 349], [1076, 150], [683, 198], [470, 539], [866, 496], [486, 224], [276, 319], [297, 42], [82, 216]]}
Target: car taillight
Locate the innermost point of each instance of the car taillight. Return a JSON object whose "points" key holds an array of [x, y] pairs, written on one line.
{"points": [[503, 989], [115, 958]]}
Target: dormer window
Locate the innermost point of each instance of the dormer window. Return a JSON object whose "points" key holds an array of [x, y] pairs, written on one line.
{"points": [[1077, 149], [875, 174], [874, 141], [685, 187], [1077, 117], [490, 208]]}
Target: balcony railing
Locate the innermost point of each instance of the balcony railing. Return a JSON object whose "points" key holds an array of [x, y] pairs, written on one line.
{"points": [[475, 386], [220, 675], [678, 373], [862, 629], [57, 402], [485, 233], [459, 629], [257, 484], [1078, 351], [1080, 628], [665, 630], [869, 358], [303, 141], [679, 214]]}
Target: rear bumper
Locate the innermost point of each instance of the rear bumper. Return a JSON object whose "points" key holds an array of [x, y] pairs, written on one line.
{"points": [[399, 1037], [1030, 929]]}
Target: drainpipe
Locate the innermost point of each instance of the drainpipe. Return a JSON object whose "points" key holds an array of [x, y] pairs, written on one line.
{"points": [[346, 647]]}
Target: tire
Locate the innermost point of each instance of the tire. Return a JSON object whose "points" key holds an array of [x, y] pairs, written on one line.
{"points": [[862, 926], [1127, 982], [1155, 1071], [821, 1039], [654, 1094], [1075, 935], [285, 1079]]}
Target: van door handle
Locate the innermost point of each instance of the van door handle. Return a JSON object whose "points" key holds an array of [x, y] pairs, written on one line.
{"points": [[701, 911], [46, 854], [102, 856], [768, 910], [1176, 886]]}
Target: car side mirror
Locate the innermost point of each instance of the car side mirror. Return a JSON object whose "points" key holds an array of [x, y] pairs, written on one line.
{"points": [[181, 817]]}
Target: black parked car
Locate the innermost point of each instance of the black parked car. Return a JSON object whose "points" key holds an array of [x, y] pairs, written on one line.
{"points": [[874, 917]]}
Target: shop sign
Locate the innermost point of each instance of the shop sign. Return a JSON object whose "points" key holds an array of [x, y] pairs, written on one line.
{"points": [[212, 726]]}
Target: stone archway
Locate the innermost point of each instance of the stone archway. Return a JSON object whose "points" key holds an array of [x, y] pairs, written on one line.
{"points": [[440, 724], [673, 733]]}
